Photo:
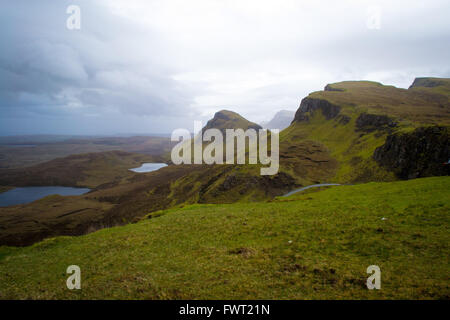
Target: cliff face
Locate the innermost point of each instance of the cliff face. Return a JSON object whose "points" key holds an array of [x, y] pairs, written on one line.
{"points": [[421, 153], [371, 122], [312, 105]]}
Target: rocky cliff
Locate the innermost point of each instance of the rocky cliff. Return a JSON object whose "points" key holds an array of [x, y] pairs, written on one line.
{"points": [[421, 153], [312, 105], [370, 122]]}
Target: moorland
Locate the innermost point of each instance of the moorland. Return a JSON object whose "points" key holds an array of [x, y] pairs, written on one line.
{"points": [[222, 231]]}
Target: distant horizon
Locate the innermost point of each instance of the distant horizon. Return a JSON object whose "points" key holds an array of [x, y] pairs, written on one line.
{"points": [[118, 135]]}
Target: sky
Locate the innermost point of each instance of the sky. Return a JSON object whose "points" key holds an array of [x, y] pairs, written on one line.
{"points": [[146, 66]]}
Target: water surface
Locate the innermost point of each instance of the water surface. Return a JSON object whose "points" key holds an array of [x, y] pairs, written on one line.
{"points": [[149, 167], [29, 194]]}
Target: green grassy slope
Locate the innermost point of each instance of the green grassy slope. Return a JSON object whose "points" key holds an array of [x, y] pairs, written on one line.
{"points": [[352, 140], [349, 151], [312, 245], [418, 104]]}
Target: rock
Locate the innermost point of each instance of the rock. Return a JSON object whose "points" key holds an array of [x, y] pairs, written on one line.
{"points": [[370, 122], [343, 119], [421, 153], [311, 106]]}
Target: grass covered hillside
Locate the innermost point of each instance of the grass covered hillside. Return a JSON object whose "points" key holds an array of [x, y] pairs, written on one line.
{"points": [[314, 245], [420, 104], [351, 119]]}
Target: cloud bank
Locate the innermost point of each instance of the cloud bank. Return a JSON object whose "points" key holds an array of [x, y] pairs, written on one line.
{"points": [[152, 66]]}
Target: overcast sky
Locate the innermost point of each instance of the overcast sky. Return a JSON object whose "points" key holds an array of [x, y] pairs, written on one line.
{"points": [[143, 66]]}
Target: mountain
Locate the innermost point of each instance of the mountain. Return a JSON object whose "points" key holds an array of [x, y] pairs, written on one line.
{"points": [[225, 119], [353, 119], [281, 120]]}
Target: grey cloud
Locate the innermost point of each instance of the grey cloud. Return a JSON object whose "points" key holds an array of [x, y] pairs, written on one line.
{"points": [[49, 69], [153, 66]]}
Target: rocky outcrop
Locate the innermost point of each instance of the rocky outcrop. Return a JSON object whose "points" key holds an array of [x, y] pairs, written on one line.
{"points": [[370, 122], [421, 153], [312, 105], [328, 87]]}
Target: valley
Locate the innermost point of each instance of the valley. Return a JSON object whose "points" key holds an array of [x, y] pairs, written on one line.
{"points": [[232, 221], [225, 159], [329, 141]]}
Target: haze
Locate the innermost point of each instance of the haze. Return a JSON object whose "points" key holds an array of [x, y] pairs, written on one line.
{"points": [[153, 66]]}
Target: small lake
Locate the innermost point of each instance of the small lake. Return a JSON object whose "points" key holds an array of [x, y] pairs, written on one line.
{"points": [[149, 167], [29, 194]]}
